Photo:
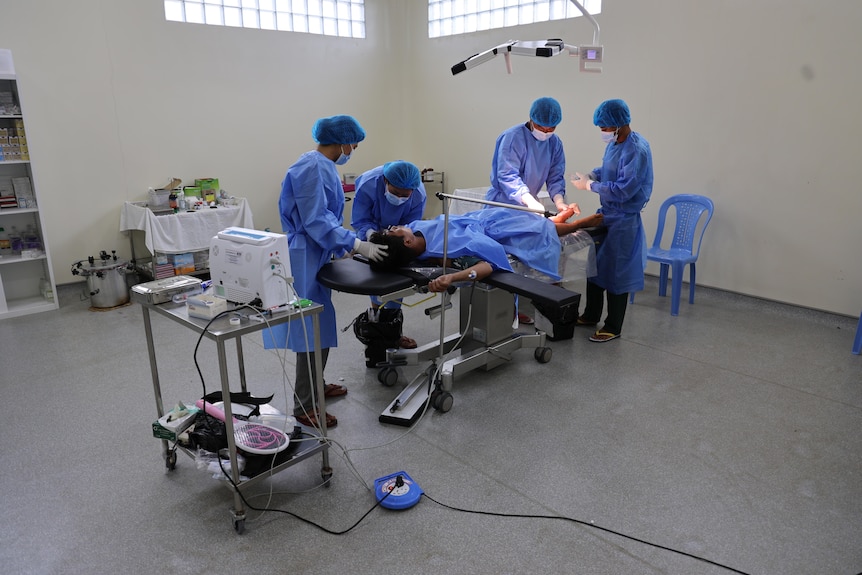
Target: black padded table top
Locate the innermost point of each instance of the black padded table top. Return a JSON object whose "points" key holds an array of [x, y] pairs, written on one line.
{"points": [[351, 276]]}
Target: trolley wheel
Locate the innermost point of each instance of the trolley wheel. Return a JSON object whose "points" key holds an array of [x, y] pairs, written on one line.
{"points": [[543, 354], [434, 398], [239, 526], [388, 376], [171, 460], [443, 401]]}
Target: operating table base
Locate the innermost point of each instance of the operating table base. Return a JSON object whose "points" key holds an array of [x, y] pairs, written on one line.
{"points": [[436, 386]]}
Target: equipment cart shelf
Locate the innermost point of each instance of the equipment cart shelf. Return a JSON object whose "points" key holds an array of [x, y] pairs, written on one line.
{"points": [[220, 331]]}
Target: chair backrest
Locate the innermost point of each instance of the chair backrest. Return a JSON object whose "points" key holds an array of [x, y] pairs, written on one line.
{"points": [[689, 209]]}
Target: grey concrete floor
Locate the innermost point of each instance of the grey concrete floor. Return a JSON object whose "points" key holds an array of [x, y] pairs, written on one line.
{"points": [[732, 432]]}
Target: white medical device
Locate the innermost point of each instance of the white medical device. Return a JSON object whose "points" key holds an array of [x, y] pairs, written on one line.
{"points": [[250, 266], [590, 55]]}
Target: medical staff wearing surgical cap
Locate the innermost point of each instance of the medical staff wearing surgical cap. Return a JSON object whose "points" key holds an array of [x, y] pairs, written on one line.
{"points": [[529, 156], [624, 185], [388, 195], [311, 206]]}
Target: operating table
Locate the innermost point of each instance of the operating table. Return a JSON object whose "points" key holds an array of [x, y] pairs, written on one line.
{"points": [[485, 339]]}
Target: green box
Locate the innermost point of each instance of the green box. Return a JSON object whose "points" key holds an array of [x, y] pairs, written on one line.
{"points": [[209, 188]]}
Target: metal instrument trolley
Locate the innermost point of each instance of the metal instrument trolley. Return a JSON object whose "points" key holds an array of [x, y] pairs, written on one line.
{"points": [[220, 331]]}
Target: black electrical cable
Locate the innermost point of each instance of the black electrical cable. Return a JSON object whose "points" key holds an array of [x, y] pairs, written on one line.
{"points": [[593, 525], [303, 519]]}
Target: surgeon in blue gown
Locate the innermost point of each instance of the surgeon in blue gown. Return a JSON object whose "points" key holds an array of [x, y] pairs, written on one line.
{"points": [[529, 156], [624, 185], [388, 195], [311, 206]]}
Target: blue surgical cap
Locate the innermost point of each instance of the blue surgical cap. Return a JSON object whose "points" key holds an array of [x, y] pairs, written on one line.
{"points": [[402, 174], [612, 114], [337, 130], [546, 112]]}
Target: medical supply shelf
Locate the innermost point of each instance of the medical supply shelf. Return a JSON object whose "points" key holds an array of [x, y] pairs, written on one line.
{"points": [[184, 232], [26, 282], [221, 331]]}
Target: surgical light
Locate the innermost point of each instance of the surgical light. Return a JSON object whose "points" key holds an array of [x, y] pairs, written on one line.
{"points": [[590, 55]]}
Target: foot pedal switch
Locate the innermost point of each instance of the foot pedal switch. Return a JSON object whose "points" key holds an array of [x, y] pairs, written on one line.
{"points": [[402, 491]]}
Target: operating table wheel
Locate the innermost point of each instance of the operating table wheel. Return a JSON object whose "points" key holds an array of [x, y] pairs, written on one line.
{"points": [[543, 354], [442, 400], [239, 526], [388, 376]]}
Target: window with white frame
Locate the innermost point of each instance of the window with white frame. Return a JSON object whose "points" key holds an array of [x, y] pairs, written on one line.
{"points": [[450, 17], [344, 18]]}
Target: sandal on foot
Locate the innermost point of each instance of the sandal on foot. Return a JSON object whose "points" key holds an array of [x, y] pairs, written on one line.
{"points": [[310, 420], [334, 390], [407, 342], [525, 319], [585, 322], [603, 336]]}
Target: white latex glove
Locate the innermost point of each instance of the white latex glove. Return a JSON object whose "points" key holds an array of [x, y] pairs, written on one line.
{"points": [[533, 203], [581, 181], [368, 233], [374, 252], [562, 206]]}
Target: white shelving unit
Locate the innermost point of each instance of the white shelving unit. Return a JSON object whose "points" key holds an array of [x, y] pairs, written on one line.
{"points": [[26, 283]]}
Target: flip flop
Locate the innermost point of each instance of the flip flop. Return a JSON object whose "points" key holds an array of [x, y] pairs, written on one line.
{"points": [[334, 390], [583, 322], [407, 342], [603, 336], [310, 420], [525, 319]]}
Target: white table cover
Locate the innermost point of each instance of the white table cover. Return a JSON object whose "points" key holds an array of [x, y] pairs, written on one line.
{"points": [[184, 231]]}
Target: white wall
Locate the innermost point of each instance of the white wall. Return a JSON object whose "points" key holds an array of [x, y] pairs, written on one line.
{"points": [[117, 99], [755, 104]]}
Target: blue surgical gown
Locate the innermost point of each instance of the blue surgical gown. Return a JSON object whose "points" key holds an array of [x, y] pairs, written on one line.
{"points": [[492, 233], [371, 209], [311, 206], [624, 184], [522, 165]]}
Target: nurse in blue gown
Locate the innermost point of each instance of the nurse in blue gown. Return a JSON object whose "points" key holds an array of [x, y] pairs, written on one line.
{"points": [[624, 185], [311, 207], [529, 156], [388, 195]]}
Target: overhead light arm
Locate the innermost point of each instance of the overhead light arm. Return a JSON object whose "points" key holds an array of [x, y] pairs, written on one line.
{"points": [[590, 56]]}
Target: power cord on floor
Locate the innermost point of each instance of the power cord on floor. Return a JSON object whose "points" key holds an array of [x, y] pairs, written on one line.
{"points": [[587, 524], [489, 513], [303, 519]]}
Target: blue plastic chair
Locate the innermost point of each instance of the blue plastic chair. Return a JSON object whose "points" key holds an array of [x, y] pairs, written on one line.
{"points": [[857, 343], [685, 246]]}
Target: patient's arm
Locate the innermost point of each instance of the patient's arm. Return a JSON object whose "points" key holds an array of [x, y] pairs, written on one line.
{"points": [[442, 283], [564, 227]]}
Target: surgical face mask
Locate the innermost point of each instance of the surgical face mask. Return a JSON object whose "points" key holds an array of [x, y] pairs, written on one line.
{"points": [[343, 158], [393, 199], [540, 135], [608, 137]]}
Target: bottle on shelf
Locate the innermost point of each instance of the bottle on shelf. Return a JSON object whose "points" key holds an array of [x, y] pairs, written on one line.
{"points": [[46, 290], [5, 244], [16, 241], [31, 239]]}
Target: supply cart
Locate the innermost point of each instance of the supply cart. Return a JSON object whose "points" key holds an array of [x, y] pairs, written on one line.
{"points": [[220, 331]]}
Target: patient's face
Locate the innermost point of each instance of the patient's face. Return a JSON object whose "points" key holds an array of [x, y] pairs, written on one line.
{"points": [[401, 232]]}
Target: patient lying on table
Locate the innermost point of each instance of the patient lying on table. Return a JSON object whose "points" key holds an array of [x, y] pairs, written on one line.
{"points": [[485, 238]]}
